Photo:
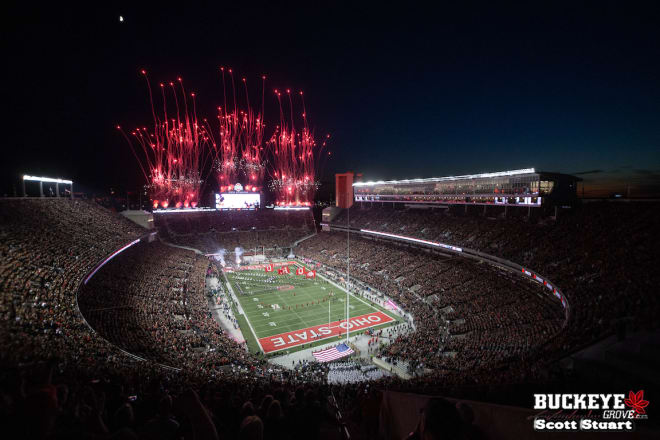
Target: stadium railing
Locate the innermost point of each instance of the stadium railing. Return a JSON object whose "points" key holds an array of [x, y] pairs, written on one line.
{"points": [[146, 238], [343, 429]]}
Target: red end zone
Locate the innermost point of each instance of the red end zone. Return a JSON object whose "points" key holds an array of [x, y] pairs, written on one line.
{"points": [[323, 331], [256, 266]]}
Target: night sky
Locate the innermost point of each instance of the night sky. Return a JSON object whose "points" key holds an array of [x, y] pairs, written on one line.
{"points": [[404, 91]]}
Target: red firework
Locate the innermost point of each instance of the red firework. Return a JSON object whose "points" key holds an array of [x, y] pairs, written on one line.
{"points": [[297, 157], [174, 151], [240, 152]]}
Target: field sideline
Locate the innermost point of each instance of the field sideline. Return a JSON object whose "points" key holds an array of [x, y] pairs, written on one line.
{"points": [[291, 312]]}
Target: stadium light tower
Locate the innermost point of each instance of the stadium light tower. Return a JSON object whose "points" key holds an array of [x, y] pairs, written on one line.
{"points": [[41, 181]]}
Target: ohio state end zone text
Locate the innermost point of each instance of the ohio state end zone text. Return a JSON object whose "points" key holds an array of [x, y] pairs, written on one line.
{"points": [[316, 333]]}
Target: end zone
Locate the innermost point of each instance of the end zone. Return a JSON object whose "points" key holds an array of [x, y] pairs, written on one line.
{"points": [[286, 340]]}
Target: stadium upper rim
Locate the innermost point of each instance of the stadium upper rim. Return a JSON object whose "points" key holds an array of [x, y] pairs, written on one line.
{"points": [[449, 178]]}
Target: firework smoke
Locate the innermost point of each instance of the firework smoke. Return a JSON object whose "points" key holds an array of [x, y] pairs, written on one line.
{"points": [[297, 157], [174, 151], [220, 256], [240, 150]]}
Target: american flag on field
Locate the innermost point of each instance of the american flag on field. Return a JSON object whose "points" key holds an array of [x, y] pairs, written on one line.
{"points": [[330, 354]]}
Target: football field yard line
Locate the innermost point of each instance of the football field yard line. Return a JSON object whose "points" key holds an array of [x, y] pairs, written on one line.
{"points": [[304, 315], [247, 319], [294, 311], [315, 318], [288, 322], [306, 290], [315, 313]]}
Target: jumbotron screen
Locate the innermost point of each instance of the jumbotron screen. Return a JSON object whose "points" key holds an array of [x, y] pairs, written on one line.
{"points": [[237, 200]]}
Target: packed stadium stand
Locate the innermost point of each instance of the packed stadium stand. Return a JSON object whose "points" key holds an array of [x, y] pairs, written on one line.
{"points": [[132, 351], [150, 302], [210, 231], [48, 246], [468, 316], [600, 254]]}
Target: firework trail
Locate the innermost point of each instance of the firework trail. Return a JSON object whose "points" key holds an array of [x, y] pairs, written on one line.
{"points": [[173, 155], [239, 153], [297, 157], [174, 152]]}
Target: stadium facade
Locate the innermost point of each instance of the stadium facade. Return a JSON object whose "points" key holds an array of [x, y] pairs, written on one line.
{"points": [[523, 187]]}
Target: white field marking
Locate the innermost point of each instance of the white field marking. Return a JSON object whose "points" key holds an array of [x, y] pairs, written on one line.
{"points": [[329, 337], [356, 297], [259, 323], [368, 307], [305, 291], [240, 307], [316, 315], [299, 319], [294, 311]]}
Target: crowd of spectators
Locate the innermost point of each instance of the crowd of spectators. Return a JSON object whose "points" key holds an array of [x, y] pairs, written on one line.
{"points": [[468, 317], [48, 246], [150, 302], [599, 253], [473, 323], [62, 378], [210, 231]]}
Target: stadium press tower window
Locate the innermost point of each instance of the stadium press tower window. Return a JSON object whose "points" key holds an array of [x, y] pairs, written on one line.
{"points": [[344, 190], [525, 187]]}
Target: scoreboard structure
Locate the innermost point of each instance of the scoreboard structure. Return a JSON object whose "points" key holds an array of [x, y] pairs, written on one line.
{"points": [[238, 197]]}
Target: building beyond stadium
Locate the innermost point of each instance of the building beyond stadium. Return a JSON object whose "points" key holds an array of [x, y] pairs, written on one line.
{"points": [[525, 188]]}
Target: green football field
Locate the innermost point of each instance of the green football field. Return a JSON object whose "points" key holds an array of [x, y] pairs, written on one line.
{"points": [[288, 312]]}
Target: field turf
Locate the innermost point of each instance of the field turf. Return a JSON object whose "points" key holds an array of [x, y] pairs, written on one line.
{"points": [[289, 312]]}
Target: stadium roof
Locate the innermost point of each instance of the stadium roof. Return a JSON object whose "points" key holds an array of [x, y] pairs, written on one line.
{"points": [[443, 179]]}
